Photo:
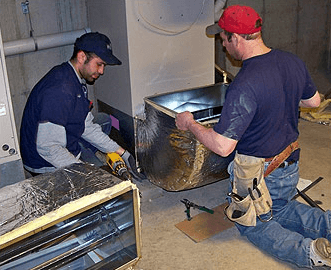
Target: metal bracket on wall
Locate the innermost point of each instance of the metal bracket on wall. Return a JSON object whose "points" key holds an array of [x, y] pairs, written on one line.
{"points": [[26, 11], [25, 7]]}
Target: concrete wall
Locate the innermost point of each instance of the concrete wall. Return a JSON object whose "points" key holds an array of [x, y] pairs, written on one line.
{"points": [[299, 26], [47, 17]]}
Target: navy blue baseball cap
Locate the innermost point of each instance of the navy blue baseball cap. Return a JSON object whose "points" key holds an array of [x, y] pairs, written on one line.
{"points": [[99, 44]]}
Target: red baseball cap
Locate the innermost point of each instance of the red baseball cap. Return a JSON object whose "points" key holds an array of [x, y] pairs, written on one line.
{"points": [[237, 19]]}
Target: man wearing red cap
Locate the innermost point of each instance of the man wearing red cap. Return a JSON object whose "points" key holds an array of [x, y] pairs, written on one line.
{"points": [[259, 122]]}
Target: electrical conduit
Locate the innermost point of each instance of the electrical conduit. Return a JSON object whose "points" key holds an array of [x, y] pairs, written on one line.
{"points": [[43, 42]]}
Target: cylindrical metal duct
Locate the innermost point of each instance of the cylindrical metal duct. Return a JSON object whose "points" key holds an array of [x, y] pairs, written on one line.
{"points": [[43, 42]]}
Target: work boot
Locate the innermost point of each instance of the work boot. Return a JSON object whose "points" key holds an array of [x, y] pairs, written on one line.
{"points": [[320, 252]]}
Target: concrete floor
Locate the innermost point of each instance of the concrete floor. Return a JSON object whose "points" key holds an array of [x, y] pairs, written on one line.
{"points": [[166, 247]]}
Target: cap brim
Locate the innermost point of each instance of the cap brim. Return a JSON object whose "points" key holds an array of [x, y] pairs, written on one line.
{"points": [[112, 60], [213, 29]]}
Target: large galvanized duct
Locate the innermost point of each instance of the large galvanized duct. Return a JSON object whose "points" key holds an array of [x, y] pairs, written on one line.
{"points": [[173, 159]]}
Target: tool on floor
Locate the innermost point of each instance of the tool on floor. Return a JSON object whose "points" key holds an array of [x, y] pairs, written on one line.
{"points": [[117, 164], [304, 196], [189, 204]]}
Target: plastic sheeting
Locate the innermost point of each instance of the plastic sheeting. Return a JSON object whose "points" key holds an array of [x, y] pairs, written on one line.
{"points": [[27, 200], [173, 159]]}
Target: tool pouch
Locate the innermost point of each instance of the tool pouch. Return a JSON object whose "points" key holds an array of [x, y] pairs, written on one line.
{"points": [[252, 196]]}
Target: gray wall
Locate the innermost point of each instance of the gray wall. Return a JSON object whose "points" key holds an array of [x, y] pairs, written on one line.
{"points": [[47, 17], [299, 26]]}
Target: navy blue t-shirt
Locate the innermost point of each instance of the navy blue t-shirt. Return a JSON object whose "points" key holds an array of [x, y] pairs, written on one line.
{"points": [[57, 98], [261, 108]]}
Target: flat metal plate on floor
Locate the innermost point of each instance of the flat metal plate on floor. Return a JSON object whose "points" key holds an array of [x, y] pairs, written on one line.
{"points": [[205, 225]]}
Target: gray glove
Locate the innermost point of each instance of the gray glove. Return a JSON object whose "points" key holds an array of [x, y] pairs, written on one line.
{"points": [[131, 165]]}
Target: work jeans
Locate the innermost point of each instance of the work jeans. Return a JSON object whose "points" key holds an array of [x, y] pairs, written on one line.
{"points": [[294, 225], [88, 150]]}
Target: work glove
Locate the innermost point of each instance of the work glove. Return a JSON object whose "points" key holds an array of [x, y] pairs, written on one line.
{"points": [[131, 165]]}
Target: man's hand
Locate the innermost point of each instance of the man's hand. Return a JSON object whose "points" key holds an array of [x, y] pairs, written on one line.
{"points": [[217, 143], [184, 120]]}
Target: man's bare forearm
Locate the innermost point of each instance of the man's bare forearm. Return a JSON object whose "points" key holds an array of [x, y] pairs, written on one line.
{"points": [[217, 143]]}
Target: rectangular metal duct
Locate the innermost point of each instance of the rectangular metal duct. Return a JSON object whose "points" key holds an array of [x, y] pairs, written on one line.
{"points": [[174, 159], [79, 217]]}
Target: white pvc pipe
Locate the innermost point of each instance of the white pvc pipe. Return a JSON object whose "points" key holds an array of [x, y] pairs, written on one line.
{"points": [[43, 42]]}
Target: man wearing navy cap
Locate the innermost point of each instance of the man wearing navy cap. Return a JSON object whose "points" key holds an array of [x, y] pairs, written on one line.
{"points": [[259, 122], [58, 128]]}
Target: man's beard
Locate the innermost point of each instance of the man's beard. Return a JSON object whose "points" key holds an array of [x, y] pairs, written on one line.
{"points": [[90, 81]]}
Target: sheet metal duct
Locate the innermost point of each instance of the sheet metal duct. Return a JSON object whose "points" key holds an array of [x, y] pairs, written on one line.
{"points": [[78, 217], [174, 159]]}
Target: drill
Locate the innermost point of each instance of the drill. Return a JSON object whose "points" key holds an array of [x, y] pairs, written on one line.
{"points": [[117, 164]]}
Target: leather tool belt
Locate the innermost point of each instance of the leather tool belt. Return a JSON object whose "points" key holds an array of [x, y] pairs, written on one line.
{"points": [[276, 161]]}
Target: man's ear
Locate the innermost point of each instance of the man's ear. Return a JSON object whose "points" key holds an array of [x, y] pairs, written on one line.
{"points": [[235, 39], [81, 57]]}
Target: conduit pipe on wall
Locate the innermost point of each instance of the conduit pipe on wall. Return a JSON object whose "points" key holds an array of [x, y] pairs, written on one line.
{"points": [[219, 5], [43, 42]]}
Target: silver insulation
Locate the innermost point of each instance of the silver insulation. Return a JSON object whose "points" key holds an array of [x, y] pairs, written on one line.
{"points": [[100, 234], [34, 197], [174, 159]]}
